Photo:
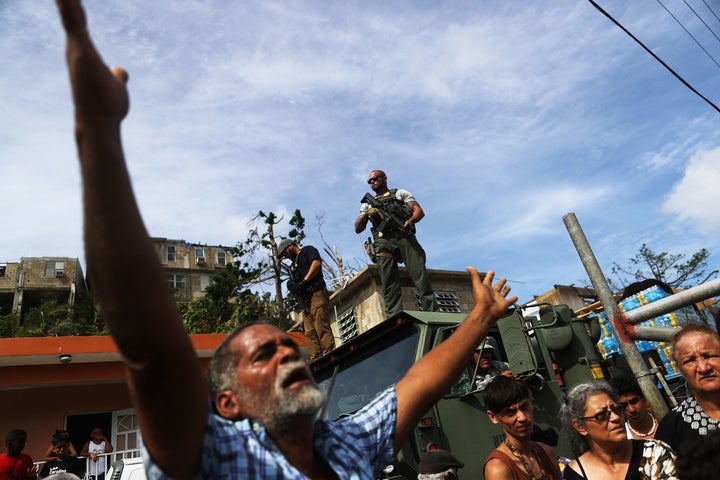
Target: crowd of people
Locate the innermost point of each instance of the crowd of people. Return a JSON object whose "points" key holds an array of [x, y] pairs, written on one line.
{"points": [[614, 432], [261, 418], [60, 460], [611, 426]]}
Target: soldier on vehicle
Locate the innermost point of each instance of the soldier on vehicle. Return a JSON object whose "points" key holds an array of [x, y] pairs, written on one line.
{"points": [[395, 242], [307, 284]]}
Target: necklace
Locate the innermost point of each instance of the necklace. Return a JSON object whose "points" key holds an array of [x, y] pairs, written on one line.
{"points": [[518, 455], [649, 433]]}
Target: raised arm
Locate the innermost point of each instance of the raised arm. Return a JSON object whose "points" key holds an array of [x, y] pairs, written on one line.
{"points": [[431, 377], [165, 380], [49, 453]]}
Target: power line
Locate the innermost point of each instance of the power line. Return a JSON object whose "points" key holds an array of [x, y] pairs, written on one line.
{"points": [[711, 10], [669, 69], [703, 21], [688, 32]]}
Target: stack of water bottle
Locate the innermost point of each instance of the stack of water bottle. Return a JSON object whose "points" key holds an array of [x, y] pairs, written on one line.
{"points": [[608, 344]]}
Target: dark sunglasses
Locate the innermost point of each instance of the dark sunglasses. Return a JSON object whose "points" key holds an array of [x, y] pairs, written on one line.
{"points": [[372, 179], [604, 416]]}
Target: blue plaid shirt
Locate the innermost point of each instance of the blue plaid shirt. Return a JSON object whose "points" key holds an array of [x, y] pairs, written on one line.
{"points": [[356, 447]]}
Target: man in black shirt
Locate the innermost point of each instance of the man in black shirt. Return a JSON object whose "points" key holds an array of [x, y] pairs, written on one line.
{"points": [[308, 286]]}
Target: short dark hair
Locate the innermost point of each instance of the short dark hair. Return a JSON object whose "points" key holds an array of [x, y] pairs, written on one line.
{"points": [[626, 385], [221, 370], [61, 436], [13, 434], [504, 391]]}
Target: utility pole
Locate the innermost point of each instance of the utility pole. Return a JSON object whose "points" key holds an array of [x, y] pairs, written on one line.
{"points": [[645, 378]]}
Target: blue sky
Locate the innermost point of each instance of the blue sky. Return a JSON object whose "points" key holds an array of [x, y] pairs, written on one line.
{"points": [[499, 116]]}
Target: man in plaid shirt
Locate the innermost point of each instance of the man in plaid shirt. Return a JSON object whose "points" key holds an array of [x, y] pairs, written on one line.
{"points": [[260, 420]]}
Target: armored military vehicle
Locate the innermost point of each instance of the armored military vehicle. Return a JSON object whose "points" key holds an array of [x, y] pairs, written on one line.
{"points": [[551, 350]]}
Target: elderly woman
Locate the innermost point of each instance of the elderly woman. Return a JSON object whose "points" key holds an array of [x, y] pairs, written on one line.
{"points": [[697, 354], [594, 419]]}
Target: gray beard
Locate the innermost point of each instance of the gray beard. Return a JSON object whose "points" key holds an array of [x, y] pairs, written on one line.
{"points": [[289, 407]]}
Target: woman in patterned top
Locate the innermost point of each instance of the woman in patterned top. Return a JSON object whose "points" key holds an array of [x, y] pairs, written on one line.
{"points": [[697, 354], [594, 419]]}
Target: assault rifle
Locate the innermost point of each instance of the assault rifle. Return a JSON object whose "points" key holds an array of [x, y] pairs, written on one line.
{"points": [[387, 217], [294, 303], [299, 294]]}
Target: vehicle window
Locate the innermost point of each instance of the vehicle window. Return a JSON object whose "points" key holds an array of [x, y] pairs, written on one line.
{"points": [[464, 384], [358, 384]]}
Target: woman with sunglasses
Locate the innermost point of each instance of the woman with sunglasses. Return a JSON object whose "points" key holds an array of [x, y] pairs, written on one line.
{"points": [[594, 419]]}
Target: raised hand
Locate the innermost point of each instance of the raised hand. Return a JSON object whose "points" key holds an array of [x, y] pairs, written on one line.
{"points": [[488, 297], [98, 91]]}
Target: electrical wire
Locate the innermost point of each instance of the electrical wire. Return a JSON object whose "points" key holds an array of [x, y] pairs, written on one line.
{"points": [[667, 67], [703, 21], [688, 32], [711, 11]]}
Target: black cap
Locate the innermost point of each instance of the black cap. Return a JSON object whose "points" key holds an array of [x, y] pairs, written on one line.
{"points": [[437, 461]]}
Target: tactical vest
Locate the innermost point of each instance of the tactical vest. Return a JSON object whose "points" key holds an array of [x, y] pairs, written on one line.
{"points": [[392, 205]]}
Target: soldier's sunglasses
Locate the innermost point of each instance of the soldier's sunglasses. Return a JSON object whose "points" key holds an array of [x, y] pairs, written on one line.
{"points": [[372, 179]]}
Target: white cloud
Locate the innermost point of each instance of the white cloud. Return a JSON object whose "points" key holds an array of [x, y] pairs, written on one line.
{"points": [[696, 196], [499, 117]]}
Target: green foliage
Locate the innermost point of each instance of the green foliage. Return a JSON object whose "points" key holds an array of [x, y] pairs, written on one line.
{"points": [[210, 313], [671, 269], [224, 307], [257, 307], [256, 256], [204, 316], [228, 301], [54, 317], [297, 221], [47, 317], [9, 325], [30, 332], [86, 315]]}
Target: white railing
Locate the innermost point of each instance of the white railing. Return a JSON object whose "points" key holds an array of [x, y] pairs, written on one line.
{"points": [[109, 457]]}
